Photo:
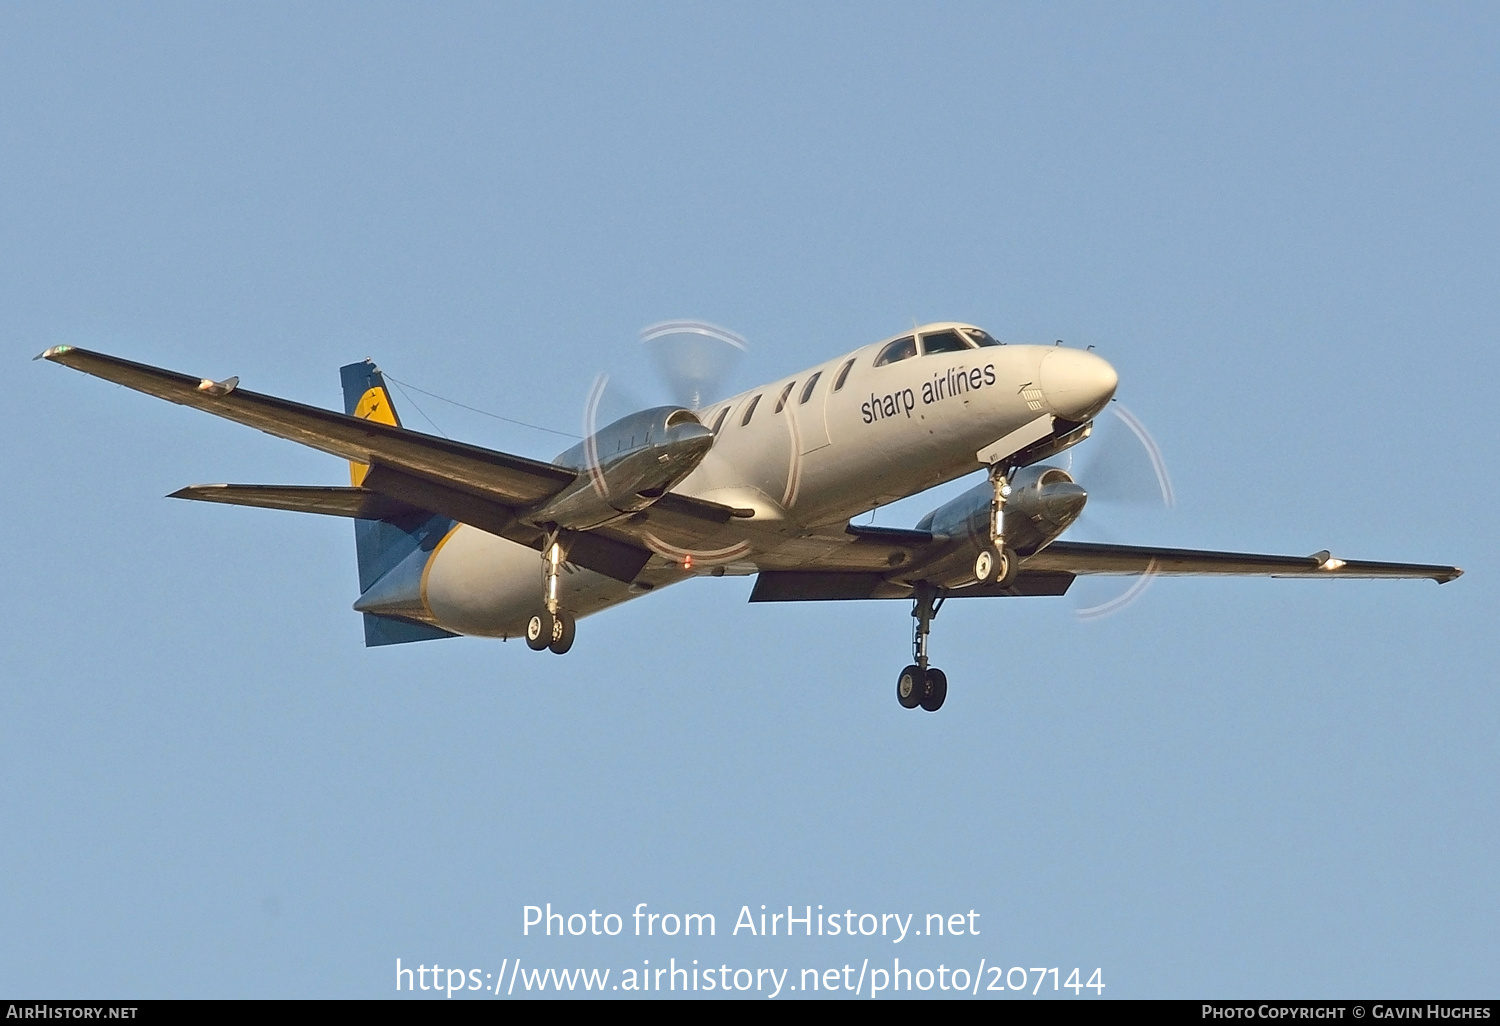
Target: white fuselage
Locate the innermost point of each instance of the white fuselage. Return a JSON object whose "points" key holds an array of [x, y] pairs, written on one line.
{"points": [[828, 454]]}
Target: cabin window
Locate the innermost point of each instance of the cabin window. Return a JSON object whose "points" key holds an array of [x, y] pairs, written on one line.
{"points": [[982, 337], [718, 423], [781, 402], [807, 389], [944, 342], [749, 411], [838, 382], [901, 349]]}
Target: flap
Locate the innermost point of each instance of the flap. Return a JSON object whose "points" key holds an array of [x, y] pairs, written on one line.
{"points": [[804, 586]]}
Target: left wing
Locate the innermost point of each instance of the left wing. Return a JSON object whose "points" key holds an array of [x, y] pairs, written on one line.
{"points": [[511, 480], [355, 503], [408, 471]]}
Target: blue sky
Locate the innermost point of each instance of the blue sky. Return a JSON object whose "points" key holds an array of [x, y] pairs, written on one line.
{"points": [[1277, 222]]}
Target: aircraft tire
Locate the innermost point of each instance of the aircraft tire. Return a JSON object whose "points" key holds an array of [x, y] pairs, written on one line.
{"points": [[539, 631], [936, 690], [1008, 568], [563, 631], [986, 564], [910, 687]]}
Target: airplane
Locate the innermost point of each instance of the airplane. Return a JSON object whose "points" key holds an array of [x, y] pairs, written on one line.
{"points": [[454, 539]]}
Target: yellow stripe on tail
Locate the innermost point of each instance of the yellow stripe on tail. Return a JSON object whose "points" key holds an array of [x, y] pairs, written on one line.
{"points": [[374, 405]]}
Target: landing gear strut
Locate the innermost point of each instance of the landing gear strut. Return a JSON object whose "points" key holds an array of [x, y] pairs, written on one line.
{"points": [[920, 684], [552, 627], [997, 563]]}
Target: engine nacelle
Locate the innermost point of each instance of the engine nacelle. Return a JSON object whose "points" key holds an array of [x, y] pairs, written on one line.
{"points": [[626, 466], [1043, 501]]}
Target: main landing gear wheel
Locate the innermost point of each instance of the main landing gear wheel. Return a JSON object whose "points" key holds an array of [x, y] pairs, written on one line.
{"points": [[540, 629], [551, 627], [563, 629], [548, 630], [935, 689], [996, 565], [910, 687], [921, 684]]}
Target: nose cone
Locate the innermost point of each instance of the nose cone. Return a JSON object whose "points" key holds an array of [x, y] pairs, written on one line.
{"points": [[1062, 501], [687, 443], [1076, 384]]}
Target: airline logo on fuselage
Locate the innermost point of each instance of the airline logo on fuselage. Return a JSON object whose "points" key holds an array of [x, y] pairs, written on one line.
{"points": [[954, 381]]}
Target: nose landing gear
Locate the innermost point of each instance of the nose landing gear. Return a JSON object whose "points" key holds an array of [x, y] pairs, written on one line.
{"points": [[920, 684], [997, 563], [551, 627]]}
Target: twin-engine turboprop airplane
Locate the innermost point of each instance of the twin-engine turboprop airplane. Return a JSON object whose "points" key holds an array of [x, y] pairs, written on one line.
{"points": [[456, 539]]}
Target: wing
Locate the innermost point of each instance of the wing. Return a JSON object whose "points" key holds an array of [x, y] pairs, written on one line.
{"points": [[408, 469], [824, 586], [850, 572], [1096, 558], [513, 480], [356, 503]]}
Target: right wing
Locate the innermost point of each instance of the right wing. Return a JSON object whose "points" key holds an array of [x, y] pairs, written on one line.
{"points": [[827, 586], [1098, 558], [880, 562]]}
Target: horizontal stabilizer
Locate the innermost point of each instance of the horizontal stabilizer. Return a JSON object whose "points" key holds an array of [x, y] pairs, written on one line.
{"points": [[355, 503], [390, 630], [598, 552]]}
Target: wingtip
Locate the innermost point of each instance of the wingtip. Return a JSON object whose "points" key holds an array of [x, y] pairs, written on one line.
{"points": [[47, 354], [191, 491], [1454, 573]]}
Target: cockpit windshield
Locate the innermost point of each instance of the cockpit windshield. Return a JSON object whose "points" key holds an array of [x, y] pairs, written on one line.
{"points": [[948, 341], [982, 337], [901, 349]]}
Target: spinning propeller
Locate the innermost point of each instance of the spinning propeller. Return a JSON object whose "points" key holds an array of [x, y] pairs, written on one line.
{"points": [[634, 451], [1123, 471], [693, 360]]}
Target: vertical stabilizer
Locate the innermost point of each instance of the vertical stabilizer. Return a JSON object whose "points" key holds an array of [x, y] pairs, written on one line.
{"points": [[366, 397], [382, 545]]}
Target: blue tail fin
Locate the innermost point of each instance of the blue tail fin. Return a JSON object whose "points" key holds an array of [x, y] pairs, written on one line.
{"points": [[382, 545]]}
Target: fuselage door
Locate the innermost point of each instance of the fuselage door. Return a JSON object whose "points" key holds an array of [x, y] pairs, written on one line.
{"points": [[809, 409]]}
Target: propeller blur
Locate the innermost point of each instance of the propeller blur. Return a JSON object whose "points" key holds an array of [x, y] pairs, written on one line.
{"points": [[1126, 473]]}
